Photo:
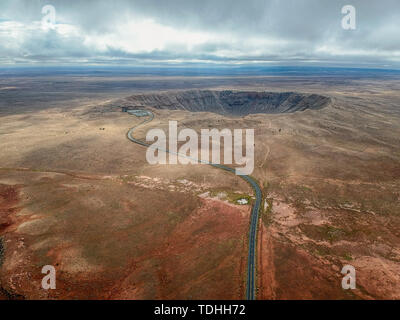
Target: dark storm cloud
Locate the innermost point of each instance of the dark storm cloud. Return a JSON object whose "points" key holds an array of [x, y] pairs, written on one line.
{"points": [[231, 31]]}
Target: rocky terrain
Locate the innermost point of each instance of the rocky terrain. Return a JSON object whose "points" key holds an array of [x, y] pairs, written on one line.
{"points": [[227, 102]]}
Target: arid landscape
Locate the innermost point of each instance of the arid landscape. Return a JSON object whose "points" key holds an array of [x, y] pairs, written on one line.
{"points": [[75, 193]]}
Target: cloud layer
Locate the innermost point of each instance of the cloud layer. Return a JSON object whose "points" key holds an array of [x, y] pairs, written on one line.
{"points": [[209, 31]]}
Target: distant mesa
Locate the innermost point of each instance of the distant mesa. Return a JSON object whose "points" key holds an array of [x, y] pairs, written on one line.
{"points": [[238, 103]]}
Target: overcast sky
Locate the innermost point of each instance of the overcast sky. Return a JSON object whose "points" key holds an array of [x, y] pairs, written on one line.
{"points": [[137, 32]]}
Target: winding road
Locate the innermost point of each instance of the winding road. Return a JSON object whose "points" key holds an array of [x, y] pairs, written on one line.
{"points": [[251, 262]]}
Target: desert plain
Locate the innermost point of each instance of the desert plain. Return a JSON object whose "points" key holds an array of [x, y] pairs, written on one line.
{"points": [[75, 193]]}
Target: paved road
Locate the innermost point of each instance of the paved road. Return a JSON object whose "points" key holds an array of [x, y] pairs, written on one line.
{"points": [[251, 261]]}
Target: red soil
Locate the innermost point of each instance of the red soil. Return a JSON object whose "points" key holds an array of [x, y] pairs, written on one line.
{"points": [[188, 266], [9, 199], [203, 256]]}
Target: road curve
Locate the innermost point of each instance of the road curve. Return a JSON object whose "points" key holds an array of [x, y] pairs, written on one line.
{"points": [[251, 261]]}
